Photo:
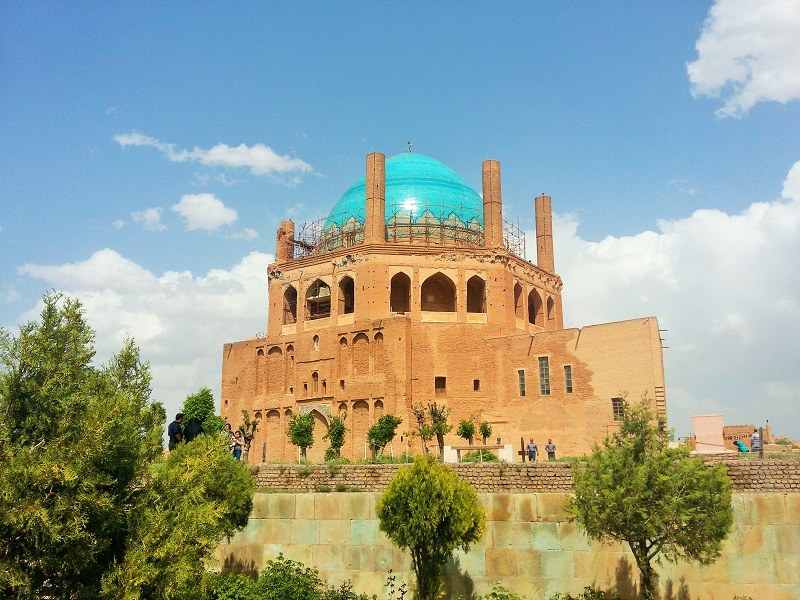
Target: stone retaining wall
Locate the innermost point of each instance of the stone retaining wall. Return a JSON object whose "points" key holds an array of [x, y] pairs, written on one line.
{"points": [[752, 475]]}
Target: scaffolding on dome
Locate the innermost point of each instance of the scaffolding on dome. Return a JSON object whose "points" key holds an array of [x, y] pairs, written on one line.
{"points": [[313, 238]]}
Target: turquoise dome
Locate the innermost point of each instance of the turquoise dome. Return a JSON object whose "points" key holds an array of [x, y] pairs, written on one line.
{"points": [[420, 192]]}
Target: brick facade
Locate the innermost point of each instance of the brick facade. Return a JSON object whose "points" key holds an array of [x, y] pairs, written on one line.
{"points": [[366, 325]]}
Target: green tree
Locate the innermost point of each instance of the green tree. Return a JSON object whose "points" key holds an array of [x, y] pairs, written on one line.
{"points": [[193, 499], [439, 425], [657, 499], [466, 430], [431, 512], [485, 430], [248, 428], [423, 427], [336, 432], [78, 447], [285, 579], [383, 432], [200, 405], [301, 432]]}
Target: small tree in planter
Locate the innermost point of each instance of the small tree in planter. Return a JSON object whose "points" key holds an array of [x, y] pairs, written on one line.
{"points": [[301, 432], [382, 433], [466, 430], [485, 430], [336, 432]]}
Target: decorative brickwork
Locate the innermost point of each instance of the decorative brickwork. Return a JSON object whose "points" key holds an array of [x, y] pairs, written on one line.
{"points": [[753, 475]]}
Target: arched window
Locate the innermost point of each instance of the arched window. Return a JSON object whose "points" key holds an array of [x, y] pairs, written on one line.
{"points": [[439, 294], [535, 309], [518, 308], [318, 300], [476, 295], [400, 297], [314, 383], [290, 305], [347, 296], [551, 309], [315, 342]]}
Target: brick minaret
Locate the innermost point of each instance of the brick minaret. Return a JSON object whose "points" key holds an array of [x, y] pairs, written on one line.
{"points": [[375, 225], [492, 205], [544, 234], [283, 245]]}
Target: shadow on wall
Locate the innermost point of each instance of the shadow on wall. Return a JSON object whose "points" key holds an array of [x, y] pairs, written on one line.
{"points": [[457, 583], [232, 564], [628, 589]]}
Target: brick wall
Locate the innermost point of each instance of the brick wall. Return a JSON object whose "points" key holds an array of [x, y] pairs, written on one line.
{"points": [[753, 475]]}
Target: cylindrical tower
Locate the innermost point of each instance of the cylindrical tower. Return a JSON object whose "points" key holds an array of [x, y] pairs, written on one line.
{"points": [[544, 234], [375, 218], [492, 205], [284, 250]]}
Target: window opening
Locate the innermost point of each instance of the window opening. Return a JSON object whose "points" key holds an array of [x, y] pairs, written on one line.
{"points": [[440, 385], [535, 309], [476, 295], [618, 408], [347, 296], [289, 306], [544, 376], [476, 385], [315, 383], [521, 375], [438, 294], [400, 295], [318, 300], [341, 384], [315, 341], [568, 378]]}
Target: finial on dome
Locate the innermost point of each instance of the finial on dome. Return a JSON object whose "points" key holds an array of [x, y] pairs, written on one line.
{"points": [[409, 145]]}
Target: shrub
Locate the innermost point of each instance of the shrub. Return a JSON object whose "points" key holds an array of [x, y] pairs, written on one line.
{"points": [[480, 455], [589, 593]]}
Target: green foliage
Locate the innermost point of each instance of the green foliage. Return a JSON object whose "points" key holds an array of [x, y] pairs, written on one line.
{"points": [[439, 426], [336, 432], [194, 498], [480, 455], [383, 431], [429, 510], [657, 499], [285, 579], [200, 405], [485, 429], [82, 480], [589, 593], [301, 432], [500, 593], [466, 430], [248, 428], [75, 441], [233, 586]]}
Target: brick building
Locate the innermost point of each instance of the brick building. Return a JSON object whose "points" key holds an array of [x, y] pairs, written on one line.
{"points": [[412, 291]]}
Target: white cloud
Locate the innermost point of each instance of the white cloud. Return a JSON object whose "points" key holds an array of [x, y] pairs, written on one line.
{"points": [[150, 219], [119, 224], [179, 320], [748, 52], [248, 233], [259, 158], [727, 288], [204, 211]]}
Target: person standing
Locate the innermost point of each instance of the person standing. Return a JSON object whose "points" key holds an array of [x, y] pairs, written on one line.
{"points": [[550, 448], [755, 441], [175, 432], [532, 450], [238, 443]]}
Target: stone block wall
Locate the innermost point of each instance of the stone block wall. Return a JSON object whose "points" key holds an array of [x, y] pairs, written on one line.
{"points": [[752, 475], [529, 546]]}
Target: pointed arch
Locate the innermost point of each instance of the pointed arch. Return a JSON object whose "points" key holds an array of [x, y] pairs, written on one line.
{"points": [[318, 300], [535, 309], [518, 302], [551, 311], [439, 294], [476, 295], [289, 305], [400, 295], [316, 453], [347, 296]]}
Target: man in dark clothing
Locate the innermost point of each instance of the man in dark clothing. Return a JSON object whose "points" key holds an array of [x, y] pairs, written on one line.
{"points": [[192, 429], [174, 432]]}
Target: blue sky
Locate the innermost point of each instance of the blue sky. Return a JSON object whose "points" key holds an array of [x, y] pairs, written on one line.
{"points": [[148, 153]]}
